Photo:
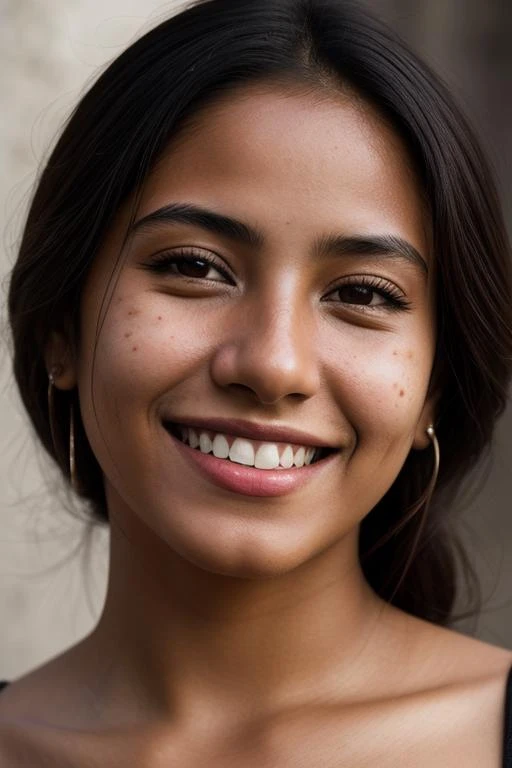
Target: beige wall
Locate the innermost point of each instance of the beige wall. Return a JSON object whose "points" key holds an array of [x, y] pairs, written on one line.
{"points": [[49, 49]]}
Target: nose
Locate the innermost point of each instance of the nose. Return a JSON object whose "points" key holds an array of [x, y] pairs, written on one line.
{"points": [[270, 350]]}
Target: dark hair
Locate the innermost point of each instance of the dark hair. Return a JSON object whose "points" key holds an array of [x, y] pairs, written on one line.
{"points": [[126, 120]]}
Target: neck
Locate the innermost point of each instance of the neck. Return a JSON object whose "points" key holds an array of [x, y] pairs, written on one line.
{"points": [[176, 640]]}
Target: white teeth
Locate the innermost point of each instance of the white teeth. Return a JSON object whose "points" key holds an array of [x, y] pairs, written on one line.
{"points": [[267, 457], [220, 447], [300, 457], [205, 444], [242, 452], [287, 457], [193, 439]]}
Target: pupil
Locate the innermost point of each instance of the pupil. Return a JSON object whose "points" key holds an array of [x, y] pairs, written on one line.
{"points": [[356, 294], [193, 267]]}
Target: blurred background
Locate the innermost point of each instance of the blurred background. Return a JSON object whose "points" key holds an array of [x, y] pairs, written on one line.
{"points": [[52, 565]]}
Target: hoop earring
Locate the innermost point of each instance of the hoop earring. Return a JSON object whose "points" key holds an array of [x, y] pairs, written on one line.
{"points": [[422, 504], [56, 371], [437, 460]]}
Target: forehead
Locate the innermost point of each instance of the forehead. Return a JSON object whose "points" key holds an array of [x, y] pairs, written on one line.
{"points": [[295, 165]]}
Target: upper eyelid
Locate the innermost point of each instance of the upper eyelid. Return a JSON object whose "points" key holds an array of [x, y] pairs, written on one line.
{"points": [[371, 281]]}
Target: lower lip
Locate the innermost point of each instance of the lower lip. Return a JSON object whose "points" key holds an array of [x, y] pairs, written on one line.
{"points": [[250, 481]]}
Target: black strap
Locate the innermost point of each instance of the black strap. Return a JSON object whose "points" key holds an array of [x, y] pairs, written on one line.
{"points": [[507, 733]]}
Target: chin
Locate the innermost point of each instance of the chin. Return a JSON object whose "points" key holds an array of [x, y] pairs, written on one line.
{"points": [[251, 558]]}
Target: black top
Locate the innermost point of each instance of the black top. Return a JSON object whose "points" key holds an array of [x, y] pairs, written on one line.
{"points": [[507, 733]]}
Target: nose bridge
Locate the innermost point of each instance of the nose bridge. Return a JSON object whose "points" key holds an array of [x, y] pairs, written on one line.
{"points": [[273, 351]]}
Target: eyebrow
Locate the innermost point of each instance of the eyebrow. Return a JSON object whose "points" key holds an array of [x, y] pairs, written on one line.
{"points": [[386, 245], [217, 223], [382, 245]]}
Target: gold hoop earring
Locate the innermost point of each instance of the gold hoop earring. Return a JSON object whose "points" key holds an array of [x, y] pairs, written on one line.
{"points": [[426, 497], [423, 502], [56, 371], [437, 460]]}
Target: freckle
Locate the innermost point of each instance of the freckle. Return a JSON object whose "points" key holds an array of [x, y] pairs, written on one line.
{"points": [[402, 393], [134, 349], [127, 335], [395, 353], [159, 317]]}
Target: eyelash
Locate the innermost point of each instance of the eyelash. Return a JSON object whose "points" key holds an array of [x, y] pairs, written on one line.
{"points": [[163, 262], [394, 298]]}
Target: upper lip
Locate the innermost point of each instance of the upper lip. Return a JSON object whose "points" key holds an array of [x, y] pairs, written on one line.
{"points": [[262, 432]]}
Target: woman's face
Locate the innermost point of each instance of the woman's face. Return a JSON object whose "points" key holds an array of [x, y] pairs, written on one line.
{"points": [[283, 301]]}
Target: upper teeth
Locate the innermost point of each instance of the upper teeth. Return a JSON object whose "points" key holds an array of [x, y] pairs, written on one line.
{"points": [[252, 453]]}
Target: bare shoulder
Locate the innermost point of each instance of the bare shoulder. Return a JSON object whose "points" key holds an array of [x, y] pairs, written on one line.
{"points": [[458, 686], [449, 657]]}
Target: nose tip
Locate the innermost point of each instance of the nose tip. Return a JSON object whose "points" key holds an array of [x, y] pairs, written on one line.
{"points": [[271, 365]]}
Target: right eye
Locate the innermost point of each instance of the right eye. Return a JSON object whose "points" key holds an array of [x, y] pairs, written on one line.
{"points": [[191, 264]]}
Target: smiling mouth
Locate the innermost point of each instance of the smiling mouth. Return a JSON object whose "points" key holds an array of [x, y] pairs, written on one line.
{"points": [[250, 453]]}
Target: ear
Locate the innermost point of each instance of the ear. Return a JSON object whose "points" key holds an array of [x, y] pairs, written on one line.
{"points": [[60, 361], [427, 419]]}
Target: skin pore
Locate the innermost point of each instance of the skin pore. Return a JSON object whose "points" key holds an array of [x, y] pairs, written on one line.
{"points": [[236, 623]]}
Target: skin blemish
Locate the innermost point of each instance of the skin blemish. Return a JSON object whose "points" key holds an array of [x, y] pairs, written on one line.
{"points": [[402, 393], [134, 349], [127, 335], [159, 317]]}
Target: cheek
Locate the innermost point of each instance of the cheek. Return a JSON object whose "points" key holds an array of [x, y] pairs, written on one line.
{"points": [[144, 344], [382, 388]]}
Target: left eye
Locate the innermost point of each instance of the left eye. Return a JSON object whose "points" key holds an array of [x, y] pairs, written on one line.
{"points": [[369, 293], [194, 267], [360, 294]]}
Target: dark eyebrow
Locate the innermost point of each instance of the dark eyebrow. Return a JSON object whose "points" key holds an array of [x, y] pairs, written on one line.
{"points": [[185, 213], [233, 229], [372, 245]]}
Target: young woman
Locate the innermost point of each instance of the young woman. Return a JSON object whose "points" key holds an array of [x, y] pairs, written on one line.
{"points": [[262, 321]]}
